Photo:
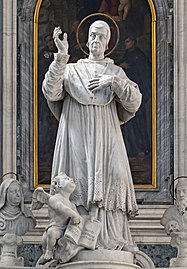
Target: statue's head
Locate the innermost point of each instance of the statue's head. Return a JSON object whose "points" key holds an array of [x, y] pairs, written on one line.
{"points": [[98, 37], [12, 208], [181, 195], [63, 182], [14, 195], [10, 192], [172, 226]]}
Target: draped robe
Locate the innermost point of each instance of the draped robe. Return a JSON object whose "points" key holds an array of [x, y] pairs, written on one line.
{"points": [[89, 144]]}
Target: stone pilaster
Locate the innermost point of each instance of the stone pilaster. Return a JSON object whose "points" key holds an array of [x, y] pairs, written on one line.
{"points": [[8, 84], [1, 53], [180, 88]]}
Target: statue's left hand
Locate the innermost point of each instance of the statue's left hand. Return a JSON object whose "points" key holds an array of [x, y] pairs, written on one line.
{"points": [[100, 82]]}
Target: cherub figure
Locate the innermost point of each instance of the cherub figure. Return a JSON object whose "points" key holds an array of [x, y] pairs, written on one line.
{"points": [[123, 8], [61, 210]]}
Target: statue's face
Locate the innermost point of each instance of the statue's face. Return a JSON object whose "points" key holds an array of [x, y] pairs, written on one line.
{"points": [[67, 184], [97, 40], [14, 194], [181, 195], [173, 226]]}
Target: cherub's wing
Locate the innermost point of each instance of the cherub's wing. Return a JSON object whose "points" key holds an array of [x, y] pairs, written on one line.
{"points": [[39, 198]]}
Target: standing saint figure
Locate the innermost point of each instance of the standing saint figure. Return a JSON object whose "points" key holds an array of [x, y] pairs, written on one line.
{"points": [[96, 97]]}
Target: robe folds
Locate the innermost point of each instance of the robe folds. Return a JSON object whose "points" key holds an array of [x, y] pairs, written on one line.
{"points": [[89, 144]]}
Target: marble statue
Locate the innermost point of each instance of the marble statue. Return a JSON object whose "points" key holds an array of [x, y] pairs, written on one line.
{"points": [[15, 217], [15, 220], [91, 98], [61, 210], [175, 222], [10, 243]]}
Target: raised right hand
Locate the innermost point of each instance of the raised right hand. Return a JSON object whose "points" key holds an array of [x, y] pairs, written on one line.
{"points": [[62, 45]]}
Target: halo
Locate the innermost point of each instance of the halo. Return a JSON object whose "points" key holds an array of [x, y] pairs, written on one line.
{"points": [[172, 183], [9, 173], [92, 15]]}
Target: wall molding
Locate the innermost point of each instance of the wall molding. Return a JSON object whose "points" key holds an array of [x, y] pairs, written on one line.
{"points": [[180, 93], [8, 84], [145, 228]]}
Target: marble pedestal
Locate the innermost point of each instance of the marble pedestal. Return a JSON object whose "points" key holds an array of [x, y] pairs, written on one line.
{"points": [[105, 259], [98, 265], [18, 267]]}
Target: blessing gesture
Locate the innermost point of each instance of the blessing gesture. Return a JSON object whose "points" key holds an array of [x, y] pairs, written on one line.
{"points": [[62, 45]]}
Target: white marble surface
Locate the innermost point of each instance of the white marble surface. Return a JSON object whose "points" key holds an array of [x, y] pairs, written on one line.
{"points": [[89, 145], [10, 244], [11, 267], [15, 217], [61, 210], [98, 265], [9, 84], [101, 259], [104, 255]]}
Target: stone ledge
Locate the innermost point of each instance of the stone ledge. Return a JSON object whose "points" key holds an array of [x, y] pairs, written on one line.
{"points": [[145, 228], [10, 267], [98, 265], [104, 255]]}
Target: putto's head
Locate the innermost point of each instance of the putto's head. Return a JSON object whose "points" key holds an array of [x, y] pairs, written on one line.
{"points": [[98, 37], [63, 182]]}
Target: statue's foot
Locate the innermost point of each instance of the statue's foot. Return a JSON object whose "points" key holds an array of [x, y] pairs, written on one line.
{"points": [[44, 261], [130, 248], [71, 251], [47, 257]]}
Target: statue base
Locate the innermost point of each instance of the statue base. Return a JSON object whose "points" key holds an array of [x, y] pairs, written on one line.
{"points": [[98, 265], [178, 262], [101, 259], [181, 259]]}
